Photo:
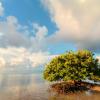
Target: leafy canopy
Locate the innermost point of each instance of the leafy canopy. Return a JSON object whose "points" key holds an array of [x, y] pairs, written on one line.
{"points": [[77, 66]]}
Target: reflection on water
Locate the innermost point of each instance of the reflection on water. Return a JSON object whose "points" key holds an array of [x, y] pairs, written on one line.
{"points": [[31, 86]]}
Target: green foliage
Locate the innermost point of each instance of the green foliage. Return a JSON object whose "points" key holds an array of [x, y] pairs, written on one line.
{"points": [[95, 78], [71, 66]]}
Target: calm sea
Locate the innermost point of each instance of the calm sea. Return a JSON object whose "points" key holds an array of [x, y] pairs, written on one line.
{"points": [[28, 84]]}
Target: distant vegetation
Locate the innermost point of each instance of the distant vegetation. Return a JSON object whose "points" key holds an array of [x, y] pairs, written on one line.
{"points": [[73, 66]]}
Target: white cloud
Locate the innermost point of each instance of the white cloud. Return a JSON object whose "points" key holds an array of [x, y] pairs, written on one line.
{"points": [[2, 62], [21, 56], [1, 9], [82, 1], [78, 21], [14, 34], [10, 34], [18, 48], [40, 39], [16, 61], [38, 59]]}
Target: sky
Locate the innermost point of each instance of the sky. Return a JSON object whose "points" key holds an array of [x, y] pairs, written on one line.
{"points": [[34, 31]]}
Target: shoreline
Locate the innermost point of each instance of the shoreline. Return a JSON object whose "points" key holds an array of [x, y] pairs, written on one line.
{"points": [[71, 88], [95, 88]]}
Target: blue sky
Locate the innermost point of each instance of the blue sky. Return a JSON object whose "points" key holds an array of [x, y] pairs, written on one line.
{"points": [[28, 12], [48, 27]]}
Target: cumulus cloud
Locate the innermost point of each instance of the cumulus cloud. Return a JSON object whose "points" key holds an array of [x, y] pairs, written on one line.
{"points": [[1, 9], [14, 34], [18, 48], [40, 39], [20, 56], [78, 21], [10, 34], [2, 62]]}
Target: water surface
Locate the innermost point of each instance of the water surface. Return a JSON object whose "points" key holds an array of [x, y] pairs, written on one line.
{"points": [[29, 85]]}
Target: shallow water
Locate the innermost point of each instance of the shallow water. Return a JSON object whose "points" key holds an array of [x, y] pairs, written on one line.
{"points": [[31, 86]]}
